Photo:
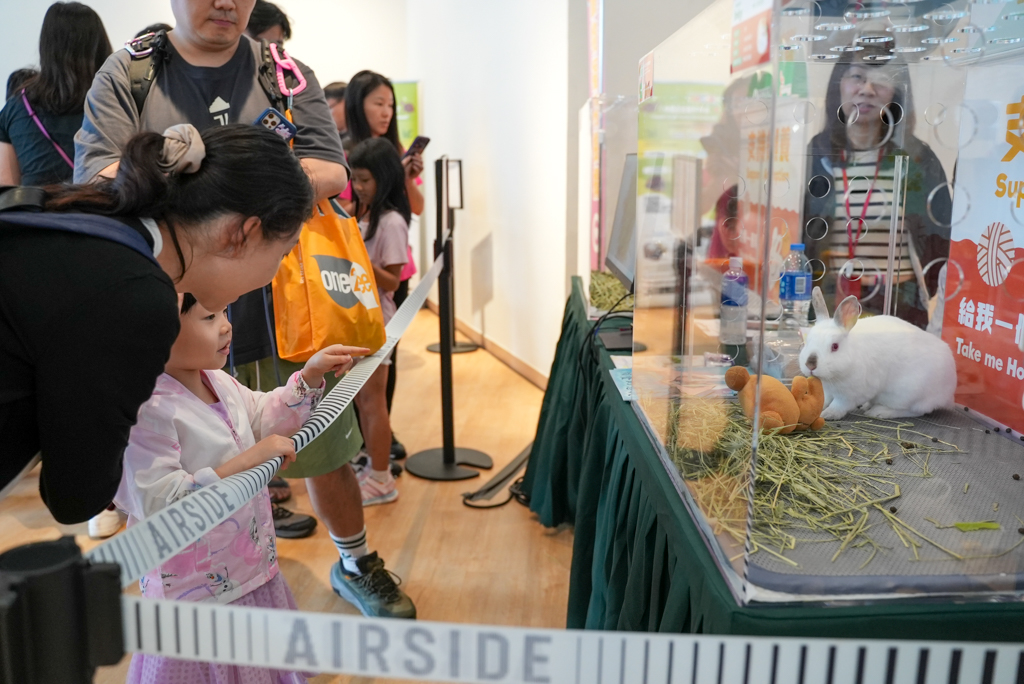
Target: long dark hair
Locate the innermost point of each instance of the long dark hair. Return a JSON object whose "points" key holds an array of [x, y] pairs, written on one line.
{"points": [[72, 47], [17, 80], [266, 15], [247, 171], [901, 109], [359, 88], [380, 158]]}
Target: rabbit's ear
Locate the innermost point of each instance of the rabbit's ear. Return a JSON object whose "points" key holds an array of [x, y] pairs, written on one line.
{"points": [[847, 313], [818, 302]]}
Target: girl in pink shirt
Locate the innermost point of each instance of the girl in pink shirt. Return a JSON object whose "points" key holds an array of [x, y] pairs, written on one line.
{"points": [[200, 426], [382, 210]]}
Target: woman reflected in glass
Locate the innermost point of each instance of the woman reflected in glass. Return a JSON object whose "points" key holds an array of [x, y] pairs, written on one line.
{"points": [[848, 206]]}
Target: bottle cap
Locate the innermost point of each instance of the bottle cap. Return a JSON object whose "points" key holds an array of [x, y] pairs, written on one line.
{"points": [[797, 247], [736, 263]]}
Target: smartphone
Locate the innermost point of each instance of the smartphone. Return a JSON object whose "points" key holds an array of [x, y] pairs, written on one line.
{"points": [[417, 146], [276, 122]]}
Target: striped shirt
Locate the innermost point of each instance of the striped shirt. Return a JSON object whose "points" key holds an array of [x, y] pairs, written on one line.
{"points": [[872, 249]]}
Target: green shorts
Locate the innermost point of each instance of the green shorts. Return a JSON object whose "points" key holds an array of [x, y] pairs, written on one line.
{"points": [[335, 447]]}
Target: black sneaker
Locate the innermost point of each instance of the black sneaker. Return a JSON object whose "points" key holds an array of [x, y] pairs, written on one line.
{"points": [[291, 525], [396, 469], [374, 592], [397, 449]]}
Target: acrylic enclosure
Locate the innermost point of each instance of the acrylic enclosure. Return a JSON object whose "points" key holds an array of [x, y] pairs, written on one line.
{"points": [[888, 140]]}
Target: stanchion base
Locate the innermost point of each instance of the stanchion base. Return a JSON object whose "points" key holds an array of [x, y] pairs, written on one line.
{"points": [[430, 464], [457, 348]]}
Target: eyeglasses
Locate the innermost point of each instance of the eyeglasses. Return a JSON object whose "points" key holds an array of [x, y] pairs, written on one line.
{"points": [[876, 79]]}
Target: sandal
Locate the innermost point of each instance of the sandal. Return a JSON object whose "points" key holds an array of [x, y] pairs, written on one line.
{"points": [[279, 489]]}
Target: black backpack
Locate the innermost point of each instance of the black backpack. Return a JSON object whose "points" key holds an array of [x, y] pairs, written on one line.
{"points": [[149, 53]]}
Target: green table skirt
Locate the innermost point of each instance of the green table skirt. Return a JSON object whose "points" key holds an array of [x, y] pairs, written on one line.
{"points": [[639, 561]]}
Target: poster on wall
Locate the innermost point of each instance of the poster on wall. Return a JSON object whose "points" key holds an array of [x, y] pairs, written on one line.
{"points": [[983, 320], [673, 123], [751, 22], [407, 111]]}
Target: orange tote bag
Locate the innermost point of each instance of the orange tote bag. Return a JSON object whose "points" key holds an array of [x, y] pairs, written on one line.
{"points": [[325, 292]]}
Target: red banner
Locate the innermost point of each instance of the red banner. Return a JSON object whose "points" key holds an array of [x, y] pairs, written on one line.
{"points": [[984, 325]]}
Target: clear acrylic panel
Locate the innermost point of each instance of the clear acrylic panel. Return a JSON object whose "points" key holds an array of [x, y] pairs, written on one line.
{"points": [[869, 151]]}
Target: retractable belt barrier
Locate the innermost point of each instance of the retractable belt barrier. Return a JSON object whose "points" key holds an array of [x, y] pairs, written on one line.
{"points": [[440, 652]]}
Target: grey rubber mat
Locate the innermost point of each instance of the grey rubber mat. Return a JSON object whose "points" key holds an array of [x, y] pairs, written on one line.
{"points": [[986, 467]]}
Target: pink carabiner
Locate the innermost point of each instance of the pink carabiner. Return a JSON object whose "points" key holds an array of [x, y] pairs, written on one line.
{"points": [[286, 63]]}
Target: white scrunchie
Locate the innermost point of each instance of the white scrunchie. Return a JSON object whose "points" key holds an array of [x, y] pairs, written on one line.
{"points": [[183, 151]]}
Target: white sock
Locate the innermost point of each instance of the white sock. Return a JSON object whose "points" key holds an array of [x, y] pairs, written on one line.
{"points": [[351, 549], [381, 476]]}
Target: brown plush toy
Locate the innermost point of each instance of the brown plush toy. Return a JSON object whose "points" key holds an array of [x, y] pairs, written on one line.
{"points": [[799, 409]]}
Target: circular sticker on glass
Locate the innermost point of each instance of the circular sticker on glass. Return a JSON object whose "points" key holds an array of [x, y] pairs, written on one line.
{"points": [[995, 253]]}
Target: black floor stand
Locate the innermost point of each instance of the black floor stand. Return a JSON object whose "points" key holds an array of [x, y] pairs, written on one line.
{"points": [[432, 465], [457, 348], [447, 462]]}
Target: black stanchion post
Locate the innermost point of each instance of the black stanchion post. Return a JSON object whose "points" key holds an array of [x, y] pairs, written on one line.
{"points": [[60, 616], [444, 205], [446, 463], [447, 337]]}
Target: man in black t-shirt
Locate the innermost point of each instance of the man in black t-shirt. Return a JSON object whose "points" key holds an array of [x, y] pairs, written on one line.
{"points": [[210, 78]]}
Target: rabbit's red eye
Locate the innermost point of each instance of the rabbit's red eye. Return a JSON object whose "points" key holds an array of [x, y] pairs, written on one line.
{"points": [[835, 346]]}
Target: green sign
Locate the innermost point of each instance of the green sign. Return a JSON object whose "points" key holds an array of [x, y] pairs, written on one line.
{"points": [[673, 122], [407, 109]]}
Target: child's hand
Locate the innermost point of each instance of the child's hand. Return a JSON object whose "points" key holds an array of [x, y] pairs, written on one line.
{"points": [[269, 447], [337, 359], [263, 451]]}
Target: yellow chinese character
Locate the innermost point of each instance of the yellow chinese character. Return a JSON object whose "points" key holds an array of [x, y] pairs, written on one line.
{"points": [[782, 144], [1013, 129]]}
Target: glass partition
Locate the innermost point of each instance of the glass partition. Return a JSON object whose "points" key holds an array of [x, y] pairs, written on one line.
{"points": [[828, 199]]}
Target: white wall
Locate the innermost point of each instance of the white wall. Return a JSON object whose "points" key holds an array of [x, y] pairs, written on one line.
{"points": [[493, 78], [631, 30], [336, 38]]}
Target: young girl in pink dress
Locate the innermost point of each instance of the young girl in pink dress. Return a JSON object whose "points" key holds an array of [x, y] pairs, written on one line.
{"points": [[199, 426]]}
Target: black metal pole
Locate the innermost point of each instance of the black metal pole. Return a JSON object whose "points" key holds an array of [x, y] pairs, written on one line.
{"points": [[446, 463], [444, 285], [442, 205], [451, 282]]}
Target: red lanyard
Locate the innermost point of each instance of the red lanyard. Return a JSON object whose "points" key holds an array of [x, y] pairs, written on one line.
{"points": [[855, 240]]}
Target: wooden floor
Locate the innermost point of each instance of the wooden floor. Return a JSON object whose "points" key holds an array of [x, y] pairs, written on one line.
{"points": [[458, 564]]}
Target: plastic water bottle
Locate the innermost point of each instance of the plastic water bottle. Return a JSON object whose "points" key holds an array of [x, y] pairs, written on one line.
{"points": [[734, 304], [795, 288]]}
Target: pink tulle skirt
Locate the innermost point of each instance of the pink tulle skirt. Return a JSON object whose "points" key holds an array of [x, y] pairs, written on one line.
{"points": [[150, 669]]}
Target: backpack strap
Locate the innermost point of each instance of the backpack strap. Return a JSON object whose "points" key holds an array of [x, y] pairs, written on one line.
{"points": [[148, 52], [267, 77], [24, 206]]}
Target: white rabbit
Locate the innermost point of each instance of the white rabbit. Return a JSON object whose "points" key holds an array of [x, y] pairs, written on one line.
{"points": [[883, 365]]}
